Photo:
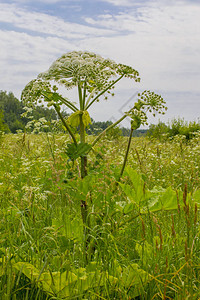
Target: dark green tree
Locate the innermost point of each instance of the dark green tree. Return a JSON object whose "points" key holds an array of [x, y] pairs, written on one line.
{"points": [[3, 127], [12, 110], [158, 131]]}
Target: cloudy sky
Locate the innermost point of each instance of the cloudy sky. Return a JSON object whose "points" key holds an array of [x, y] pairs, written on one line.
{"points": [[161, 39]]}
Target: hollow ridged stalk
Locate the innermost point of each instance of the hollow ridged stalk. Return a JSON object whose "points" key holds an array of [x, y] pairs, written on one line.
{"points": [[84, 205], [82, 140], [84, 208]]}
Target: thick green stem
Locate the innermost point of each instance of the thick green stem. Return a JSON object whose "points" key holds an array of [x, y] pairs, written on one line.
{"points": [[84, 92], [65, 124], [82, 140], [80, 96], [126, 155], [84, 209], [84, 205]]}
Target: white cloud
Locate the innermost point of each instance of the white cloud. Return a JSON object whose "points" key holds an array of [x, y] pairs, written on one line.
{"points": [[29, 1], [163, 44], [23, 56], [134, 3], [161, 41], [154, 20], [46, 24], [121, 2], [50, 1]]}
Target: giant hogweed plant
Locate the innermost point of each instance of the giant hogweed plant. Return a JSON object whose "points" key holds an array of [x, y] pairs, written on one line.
{"points": [[93, 76]]}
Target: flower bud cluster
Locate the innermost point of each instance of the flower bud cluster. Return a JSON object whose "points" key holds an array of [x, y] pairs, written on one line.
{"points": [[39, 91], [148, 102], [152, 102]]}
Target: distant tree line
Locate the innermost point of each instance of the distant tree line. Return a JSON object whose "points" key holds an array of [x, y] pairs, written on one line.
{"points": [[99, 126], [175, 127], [11, 120], [11, 110]]}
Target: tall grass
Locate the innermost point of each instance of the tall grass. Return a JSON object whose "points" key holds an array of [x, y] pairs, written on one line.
{"points": [[130, 253]]}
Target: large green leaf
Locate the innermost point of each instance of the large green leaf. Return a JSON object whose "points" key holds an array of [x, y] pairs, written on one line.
{"points": [[71, 283], [68, 283], [142, 199], [196, 196], [135, 190], [27, 269], [75, 151], [166, 200], [133, 278], [50, 282]]}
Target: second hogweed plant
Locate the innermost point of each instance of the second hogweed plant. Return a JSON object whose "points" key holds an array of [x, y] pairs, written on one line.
{"points": [[94, 77]]}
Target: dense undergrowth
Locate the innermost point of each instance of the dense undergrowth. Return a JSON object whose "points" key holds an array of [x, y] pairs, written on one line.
{"points": [[142, 239]]}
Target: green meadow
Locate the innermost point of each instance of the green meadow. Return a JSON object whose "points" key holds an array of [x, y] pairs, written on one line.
{"points": [[140, 238]]}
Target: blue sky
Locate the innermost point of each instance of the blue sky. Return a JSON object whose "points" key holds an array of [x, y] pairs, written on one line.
{"points": [[158, 38]]}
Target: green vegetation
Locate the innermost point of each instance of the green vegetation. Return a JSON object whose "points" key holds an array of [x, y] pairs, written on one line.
{"points": [[93, 77], [175, 127], [96, 217], [3, 126], [11, 120], [13, 109], [143, 241]]}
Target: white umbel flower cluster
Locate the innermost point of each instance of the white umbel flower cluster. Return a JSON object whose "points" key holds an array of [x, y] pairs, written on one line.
{"points": [[89, 71]]}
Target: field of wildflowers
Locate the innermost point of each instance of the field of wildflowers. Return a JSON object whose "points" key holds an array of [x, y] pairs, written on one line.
{"points": [[142, 239]]}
